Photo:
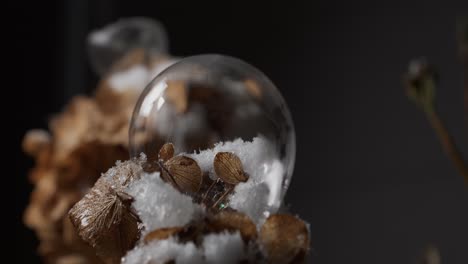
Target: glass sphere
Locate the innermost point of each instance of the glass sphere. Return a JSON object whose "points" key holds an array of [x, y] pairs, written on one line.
{"points": [[210, 105], [108, 45]]}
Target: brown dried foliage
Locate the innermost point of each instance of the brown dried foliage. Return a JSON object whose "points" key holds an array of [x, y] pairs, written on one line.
{"points": [[87, 138], [184, 173], [104, 218], [166, 152], [233, 221], [228, 167], [285, 239]]}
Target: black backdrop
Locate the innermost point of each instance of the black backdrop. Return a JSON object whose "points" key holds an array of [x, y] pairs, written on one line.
{"points": [[370, 177]]}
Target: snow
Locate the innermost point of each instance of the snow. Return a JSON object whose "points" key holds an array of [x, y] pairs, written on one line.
{"points": [[160, 205], [223, 248], [262, 193], [137, 76], [215, 248], [163, 251]]}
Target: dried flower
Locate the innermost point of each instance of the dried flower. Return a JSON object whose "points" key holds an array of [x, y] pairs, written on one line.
{"points": [[233, 221], [166, 152], [285, 239], [228, 167], [184, 173], [105, 220], [162, 233]]}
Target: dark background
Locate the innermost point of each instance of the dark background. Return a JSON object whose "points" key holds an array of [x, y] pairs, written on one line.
{"points": [[370, 177]]}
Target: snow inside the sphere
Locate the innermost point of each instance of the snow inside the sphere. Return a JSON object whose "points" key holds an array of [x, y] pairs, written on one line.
{"points": [[263, 188], [215, 248], [160, 205]]}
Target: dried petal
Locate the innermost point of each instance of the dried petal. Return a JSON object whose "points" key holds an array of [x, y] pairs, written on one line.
{"points": [[184, 173], [285, 239], [166, 152], [233, 221], [228, 167], [162, 233], [176, 93], [104, 219]]}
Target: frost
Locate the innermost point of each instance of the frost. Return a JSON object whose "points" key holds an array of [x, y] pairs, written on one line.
{"points": [[159, 205], [215, 248]]}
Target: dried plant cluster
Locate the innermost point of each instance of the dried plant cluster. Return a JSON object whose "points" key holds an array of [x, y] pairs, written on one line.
{"points": [[104, 217], [86, 139], [283, 238], [89, 136], [184, 174]]}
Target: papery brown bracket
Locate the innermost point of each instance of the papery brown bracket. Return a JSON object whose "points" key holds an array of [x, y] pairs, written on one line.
{"points": [[184, 173], [166, 152], [106, 221], [229, 168], [104, 218]]}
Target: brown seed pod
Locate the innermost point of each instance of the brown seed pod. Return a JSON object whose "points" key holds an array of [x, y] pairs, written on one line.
{"points": [[285, 239], [162, 233], [166, 152], [184, 173], [233, 221], [228, 167]]}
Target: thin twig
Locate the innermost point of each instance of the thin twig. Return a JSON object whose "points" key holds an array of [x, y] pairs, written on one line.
{"points": [[448, 143], [226, 192]]}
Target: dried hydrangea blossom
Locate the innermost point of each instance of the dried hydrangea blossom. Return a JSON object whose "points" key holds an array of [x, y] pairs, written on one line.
{"points": [[104, 217], [83, 141], [176, 225]]}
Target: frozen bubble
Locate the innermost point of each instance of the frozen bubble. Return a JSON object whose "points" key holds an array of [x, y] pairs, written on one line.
{"points": [[208, 104], [109, 44]]}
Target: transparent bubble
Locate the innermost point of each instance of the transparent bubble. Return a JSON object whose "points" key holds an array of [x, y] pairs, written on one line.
{"points": [[210, 104], [108, 45]]}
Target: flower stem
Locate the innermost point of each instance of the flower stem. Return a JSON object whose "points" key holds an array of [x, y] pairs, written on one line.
{"points": [[447, 143]]}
